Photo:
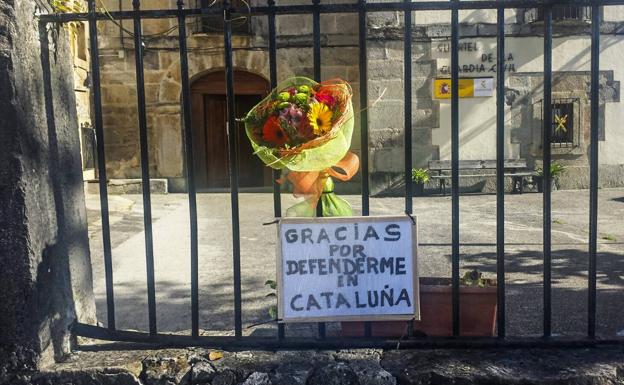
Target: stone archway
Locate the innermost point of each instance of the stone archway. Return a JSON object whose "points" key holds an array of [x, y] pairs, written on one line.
{"points": [[209, 116]]}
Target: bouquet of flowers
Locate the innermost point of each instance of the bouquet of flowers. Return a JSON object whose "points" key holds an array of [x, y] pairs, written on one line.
{"points": [[306, 127]]}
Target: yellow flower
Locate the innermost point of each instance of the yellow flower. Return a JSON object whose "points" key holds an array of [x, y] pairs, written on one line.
{"points": [[320, 118]]}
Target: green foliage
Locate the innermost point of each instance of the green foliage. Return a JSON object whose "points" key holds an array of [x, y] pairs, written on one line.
{"points": [[420, 175], [273, 308], [474, 278], [67, 6], [273, 311], [609, 237], [556, 170]]}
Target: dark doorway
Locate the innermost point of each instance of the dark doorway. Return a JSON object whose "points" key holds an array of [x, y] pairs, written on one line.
{"points": [[210, 144]]}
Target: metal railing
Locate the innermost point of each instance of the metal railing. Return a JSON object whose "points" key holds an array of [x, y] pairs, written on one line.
{"points": [[361, 8]]}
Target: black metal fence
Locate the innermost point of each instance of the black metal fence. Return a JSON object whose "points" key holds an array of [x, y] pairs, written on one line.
{"points": [[361, 8]]}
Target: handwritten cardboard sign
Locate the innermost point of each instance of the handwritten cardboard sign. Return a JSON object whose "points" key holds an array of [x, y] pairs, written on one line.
{"points": [[347, 269]]}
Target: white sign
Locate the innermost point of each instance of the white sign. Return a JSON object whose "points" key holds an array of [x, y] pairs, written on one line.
{"points": [[477, 57], [483, 87], [347, 269]]}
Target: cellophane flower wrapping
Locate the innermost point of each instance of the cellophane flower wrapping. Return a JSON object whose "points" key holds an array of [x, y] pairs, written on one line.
{"points": [[306, 127]]}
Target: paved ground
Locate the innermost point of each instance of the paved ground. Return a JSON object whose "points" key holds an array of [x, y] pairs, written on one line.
{"points": [[478, 238]]}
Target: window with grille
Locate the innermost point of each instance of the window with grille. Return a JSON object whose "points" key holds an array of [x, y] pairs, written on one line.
{"points": [[214, 23], [563, 123], [560, 13]]}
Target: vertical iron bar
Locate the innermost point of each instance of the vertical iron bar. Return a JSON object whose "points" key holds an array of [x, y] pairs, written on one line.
{"points": [[316, 30], [364, 121], [547, 122], [407, 125], [277, 202], [190, 172], [145, 177], [593, 170], [455, 161], [101, 164], [363, 108], [407, 95], [500, 170], [233, 158]]}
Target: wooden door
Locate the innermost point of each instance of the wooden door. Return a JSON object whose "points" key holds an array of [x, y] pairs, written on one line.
{"points": [[216, 154], [210, 142], [252, 172]]}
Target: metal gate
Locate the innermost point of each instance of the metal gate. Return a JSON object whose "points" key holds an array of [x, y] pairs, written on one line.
{"points": [[362, 8]]}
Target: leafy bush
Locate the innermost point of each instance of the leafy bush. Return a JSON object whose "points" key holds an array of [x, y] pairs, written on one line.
{"points": [[420, 175], [475, 278], [556, 170], [273, 308]]}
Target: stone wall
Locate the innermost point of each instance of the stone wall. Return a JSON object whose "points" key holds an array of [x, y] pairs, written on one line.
{"points": [[524, 96], [44, 251], [430, 118], [163, 88], [345, 367], [386, 116]]}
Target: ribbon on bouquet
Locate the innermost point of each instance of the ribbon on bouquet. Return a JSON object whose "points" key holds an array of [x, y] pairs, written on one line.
{"points": [[313, 184]]}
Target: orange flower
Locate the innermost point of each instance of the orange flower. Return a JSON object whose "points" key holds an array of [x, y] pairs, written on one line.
{"points": [[272, 132]]}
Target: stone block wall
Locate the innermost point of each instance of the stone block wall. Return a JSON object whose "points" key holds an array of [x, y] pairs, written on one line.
{"points": [[163, 87], [46, 279], [429, 121], [524, 96], [386, 116]]}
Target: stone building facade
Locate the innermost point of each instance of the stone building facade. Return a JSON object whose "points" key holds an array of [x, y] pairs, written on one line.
{"points": [[430, 115]]}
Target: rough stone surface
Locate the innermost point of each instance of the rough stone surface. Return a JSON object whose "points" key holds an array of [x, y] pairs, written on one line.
{"points": [[537, 366], [227, 377], [44, 252], [101, 376], [257, 378], [166, 371], [348, 367], [366, 363], [17, 364], [337, 373], [202, 372]]}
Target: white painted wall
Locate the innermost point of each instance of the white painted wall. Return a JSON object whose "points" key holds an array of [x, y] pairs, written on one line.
{"points": [[611, 13], [478, 115], [465, 16]]}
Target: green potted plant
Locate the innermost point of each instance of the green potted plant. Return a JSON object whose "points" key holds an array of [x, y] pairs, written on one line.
{"points": [[272, 284], [556, 170], [477, 308], [420, 176]]}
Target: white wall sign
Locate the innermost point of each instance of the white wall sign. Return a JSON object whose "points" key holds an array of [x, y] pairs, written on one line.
{"points": [[349, 268], [483, 87]]}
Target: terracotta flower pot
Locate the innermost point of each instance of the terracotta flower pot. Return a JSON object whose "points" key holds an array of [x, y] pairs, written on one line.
{"points": [[477, 313]]}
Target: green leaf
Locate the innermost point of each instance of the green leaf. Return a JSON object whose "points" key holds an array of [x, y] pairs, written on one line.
{"points": [[420, 175], [270, 295], [273, 311], [271, 283]]}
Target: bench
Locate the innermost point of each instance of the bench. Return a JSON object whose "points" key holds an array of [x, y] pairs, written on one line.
{"points": [[514, 168]]}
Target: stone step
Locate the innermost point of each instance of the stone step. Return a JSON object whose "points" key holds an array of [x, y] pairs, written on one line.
{"points": [[127, 186]]}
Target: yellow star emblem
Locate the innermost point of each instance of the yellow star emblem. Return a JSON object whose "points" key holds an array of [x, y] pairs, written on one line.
{"points": [[561, 123]]}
